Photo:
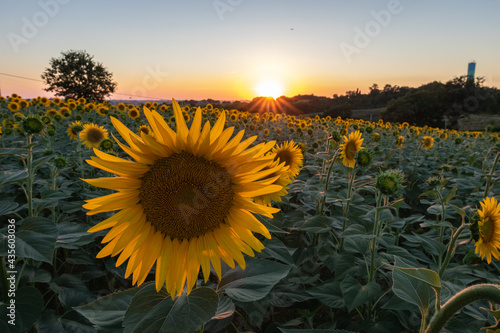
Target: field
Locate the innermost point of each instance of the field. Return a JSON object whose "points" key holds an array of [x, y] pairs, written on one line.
{"points": [[359, 226]]}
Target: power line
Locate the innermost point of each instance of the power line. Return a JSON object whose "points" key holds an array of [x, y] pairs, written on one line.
{"points": [[129, 95], [21, 77]]}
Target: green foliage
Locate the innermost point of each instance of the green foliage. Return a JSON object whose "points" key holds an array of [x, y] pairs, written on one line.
{"points": [[75, 74], [303, 280]]}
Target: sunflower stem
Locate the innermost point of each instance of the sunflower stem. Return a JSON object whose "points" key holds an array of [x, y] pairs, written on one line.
{"points": [[321, 204], [376, 233], [490, 292], [452, 246], [490, 175], [80, 156], [31, 176], [351, 175]]}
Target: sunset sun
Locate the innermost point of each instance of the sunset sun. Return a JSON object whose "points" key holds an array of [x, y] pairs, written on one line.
{"points": [[269, 89]]}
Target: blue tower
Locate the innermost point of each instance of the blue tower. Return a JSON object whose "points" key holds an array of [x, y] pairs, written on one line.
{"points": [[471, 70]]}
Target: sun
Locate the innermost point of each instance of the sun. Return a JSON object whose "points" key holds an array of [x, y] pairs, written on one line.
{"points": [[269, 89]]}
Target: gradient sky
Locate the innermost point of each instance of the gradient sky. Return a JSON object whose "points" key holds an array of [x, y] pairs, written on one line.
{"points": [[224, 49]]}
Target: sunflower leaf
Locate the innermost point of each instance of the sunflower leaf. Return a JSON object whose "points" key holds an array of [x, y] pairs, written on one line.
{"points": [[255, 282], [107, 312], [151, 311]]}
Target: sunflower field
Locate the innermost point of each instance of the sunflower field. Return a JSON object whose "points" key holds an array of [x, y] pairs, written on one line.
{"points": [[169, 218]]}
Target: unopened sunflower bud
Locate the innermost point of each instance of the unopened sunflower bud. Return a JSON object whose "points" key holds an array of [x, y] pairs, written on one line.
{"points": [[106, 144], [32, 125], [364, 158], [389, 182]]}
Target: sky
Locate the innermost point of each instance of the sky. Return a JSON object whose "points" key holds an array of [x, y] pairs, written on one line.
{"points": [[240, 49]]}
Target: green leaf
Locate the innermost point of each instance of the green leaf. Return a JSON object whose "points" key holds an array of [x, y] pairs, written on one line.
{"points": [[71, 290], [49, 322], [73, 235], [412, 290], [294, 330], [108, 312], [450, 195], [223, 315], [274, 248], [225, 308], [7, 177], [329, 293], [35, 239], [356, 294], [459, 210], [151, 311], [255, 281], [430, 192], [28, 307], [316, 224], [255, 310], [69, 322], [7, 207], [12, 151], [423, 274]]}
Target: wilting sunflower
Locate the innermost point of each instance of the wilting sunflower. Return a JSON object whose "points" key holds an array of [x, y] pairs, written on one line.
{"points": [[185, 202], [427, 142], [349, 148], [93, 134], [489, 229], [291, 154]]}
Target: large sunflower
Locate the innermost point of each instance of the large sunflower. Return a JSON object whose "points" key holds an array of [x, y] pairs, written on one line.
{"points": [[489, 229], [349, 148], [92, 135], [185, 202]]}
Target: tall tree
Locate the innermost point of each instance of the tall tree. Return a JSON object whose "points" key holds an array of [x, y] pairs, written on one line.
{"points": [[76, 74]]}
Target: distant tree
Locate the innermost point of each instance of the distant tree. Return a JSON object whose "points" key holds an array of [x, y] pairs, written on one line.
{"points": [[75, 74]]}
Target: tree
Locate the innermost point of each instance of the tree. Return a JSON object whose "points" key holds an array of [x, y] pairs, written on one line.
{"points": [[75, 74]]}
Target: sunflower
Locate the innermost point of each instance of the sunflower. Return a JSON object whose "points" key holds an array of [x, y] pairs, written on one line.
{"points": [[133, 113], [291, 154], [185, 202], [64, 112], [51, 112], [427, 142], [349, 148], [489, 229], [281, 178], [72, 131], [23, 104], [121, 107], [13, 107], [145, 129], [93, 134], [400, 140]]}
